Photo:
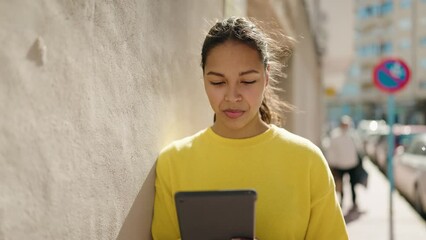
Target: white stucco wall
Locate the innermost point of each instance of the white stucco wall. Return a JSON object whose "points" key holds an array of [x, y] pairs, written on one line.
{"points": [[306, 89], [90, 91]]}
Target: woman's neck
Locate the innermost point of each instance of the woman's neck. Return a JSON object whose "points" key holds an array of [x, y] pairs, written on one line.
{"points": [[250, 130]]}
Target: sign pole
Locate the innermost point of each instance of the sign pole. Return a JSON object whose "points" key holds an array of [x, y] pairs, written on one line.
{"points": [[391, 146], [391, 75]]}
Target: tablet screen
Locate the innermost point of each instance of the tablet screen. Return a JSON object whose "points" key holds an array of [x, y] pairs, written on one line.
{"points": [[216, 215]]}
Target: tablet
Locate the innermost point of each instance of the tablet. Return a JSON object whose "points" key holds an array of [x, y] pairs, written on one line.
{"points": [[216, 215]]}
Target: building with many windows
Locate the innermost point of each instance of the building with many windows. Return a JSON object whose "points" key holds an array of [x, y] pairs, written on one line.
{"points": [[385, 28]]}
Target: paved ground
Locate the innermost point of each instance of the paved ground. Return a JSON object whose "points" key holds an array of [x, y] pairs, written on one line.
{"points": [[371, 222]]}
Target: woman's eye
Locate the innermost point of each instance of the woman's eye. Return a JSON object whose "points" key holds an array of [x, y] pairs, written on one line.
{"points": [[248, 82], [217, 83]]}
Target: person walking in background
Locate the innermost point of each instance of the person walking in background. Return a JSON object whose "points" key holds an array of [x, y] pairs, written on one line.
{"points": [[244, 149], [342, 157]]}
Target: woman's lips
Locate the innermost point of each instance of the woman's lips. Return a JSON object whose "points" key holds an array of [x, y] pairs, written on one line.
{"points": [[231, 113]]}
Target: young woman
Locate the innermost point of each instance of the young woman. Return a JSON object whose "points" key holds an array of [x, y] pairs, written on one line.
{"points": [[244, 150]]}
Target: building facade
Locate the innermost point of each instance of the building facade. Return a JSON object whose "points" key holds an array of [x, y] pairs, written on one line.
{"points": [[386, 29]]}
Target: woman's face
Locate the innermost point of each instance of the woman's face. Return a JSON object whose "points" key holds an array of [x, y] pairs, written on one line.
{"points": [[235, 80]]}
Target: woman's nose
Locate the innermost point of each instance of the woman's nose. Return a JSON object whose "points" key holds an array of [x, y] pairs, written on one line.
{"points": [[233, 95]]}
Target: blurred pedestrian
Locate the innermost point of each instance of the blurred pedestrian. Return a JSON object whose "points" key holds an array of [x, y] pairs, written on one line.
{"points": [[244, 149], [342, 156]]}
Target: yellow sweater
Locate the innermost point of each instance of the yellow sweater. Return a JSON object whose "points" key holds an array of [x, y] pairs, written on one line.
{"points": [[295, 190]]}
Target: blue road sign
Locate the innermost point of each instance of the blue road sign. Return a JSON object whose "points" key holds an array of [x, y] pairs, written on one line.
{"points": [[391, 75]]}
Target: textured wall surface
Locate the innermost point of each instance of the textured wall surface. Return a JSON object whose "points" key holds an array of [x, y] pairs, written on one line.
{"points": [[90, 91]]}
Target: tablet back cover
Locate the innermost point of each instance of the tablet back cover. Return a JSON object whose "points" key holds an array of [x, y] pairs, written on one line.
{"points": [[216, 215]]}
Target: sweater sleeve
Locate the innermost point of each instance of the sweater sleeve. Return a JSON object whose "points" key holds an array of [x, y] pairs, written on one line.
{"points": [[326, 219], [164, 223]]}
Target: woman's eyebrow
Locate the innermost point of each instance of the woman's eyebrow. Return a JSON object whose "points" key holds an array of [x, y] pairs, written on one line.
{"points": [[240, 74], [248, 72], [215, 74]]}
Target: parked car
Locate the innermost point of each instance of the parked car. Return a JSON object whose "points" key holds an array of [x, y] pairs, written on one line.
{"points": [[366, 128], [370, 145], [403, 134], [369, 132], [410, 172]]}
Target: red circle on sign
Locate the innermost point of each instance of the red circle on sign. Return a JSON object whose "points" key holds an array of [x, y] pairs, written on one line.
{"points": [[382, 68]]}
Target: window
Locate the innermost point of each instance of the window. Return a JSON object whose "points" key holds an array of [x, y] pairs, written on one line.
{"points": [[387, 7], [368, 11], [423, 41], [359, 51], [386, 47], [405, 24], [355, 70], [423, 20], [376, 49], [375, 10], [362, 13], [405, 43], [404, 4], [363, 51], [372, 50], [422, 63]]}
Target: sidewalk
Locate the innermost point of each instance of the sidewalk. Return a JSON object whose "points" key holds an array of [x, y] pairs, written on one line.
{"points": [[371, 222]]}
